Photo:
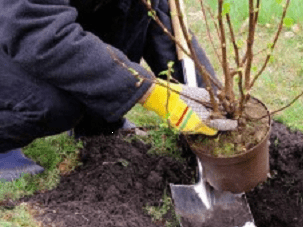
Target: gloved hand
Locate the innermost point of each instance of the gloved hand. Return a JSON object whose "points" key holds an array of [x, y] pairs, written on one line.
{"points": [[184, 113]]}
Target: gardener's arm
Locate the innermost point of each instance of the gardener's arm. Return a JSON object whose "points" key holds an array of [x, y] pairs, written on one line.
{"points": [[41, 36]]}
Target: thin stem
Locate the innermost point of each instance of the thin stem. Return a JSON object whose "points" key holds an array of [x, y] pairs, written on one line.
{"points": [[237, 59], [257, 12], [214, 20], [250, 42], [233, 39], [208, 32], [228, 84], [206, 77], [165, 30], [154, 79], [273, 46], [281, 109], [169, 71]]}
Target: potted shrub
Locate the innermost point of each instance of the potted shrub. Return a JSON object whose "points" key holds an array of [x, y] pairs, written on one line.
{"points": [[238, 160]]}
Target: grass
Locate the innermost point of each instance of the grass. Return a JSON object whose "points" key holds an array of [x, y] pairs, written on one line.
{"points": [[278, 85], [21, 216], [162, 138], [58, 155], [270, 10]]}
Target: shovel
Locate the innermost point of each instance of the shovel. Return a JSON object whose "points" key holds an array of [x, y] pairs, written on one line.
{"points": [[200, 205]]}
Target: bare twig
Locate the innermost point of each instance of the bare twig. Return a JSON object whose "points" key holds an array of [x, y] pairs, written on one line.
{"points": [[206, 77], [239, 65], [155, 81], [165, 30], [233, 40], [208, 32], [169, 71], [214, 20], [281, 109], [273, 46], [250, 42], [245, 56], [255, 22], [228, 84], [257, 12]]}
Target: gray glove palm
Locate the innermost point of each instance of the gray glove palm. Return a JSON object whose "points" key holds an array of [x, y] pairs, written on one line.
{"points": [[204, 112]]}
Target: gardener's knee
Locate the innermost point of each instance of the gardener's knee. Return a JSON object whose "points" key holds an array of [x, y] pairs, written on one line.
{"points": [[48, 111], [59, 112]]}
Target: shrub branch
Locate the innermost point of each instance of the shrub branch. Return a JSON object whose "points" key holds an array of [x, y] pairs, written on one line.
{"points": [[154, 79], [205, 76], [239, 66], [281, 109], [250, 42], [228, 81], [208, 31], [273, 45]]}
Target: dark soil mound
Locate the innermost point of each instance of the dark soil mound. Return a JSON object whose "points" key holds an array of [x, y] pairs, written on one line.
{"points": [[104, 192]]}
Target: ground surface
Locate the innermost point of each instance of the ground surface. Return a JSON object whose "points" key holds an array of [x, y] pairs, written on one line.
{"points": [[107, 192]]}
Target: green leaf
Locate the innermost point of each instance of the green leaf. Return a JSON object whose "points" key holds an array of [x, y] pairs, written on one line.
{"points": [[279, 1], [165, 72], [167, 116], [254, 68], [133, 71], [170, 64], [236, 78], [269, 45], [226, 8], [152, 13], [271, 59], [288, 22], [240, 43]]}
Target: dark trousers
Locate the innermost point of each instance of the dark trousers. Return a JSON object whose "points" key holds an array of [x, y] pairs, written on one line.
{"points": [[31, 108]]}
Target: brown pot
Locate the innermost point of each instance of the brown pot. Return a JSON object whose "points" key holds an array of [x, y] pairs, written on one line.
{"points": [[239, 173]]}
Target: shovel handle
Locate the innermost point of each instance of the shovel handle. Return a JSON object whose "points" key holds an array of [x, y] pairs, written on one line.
{"points": [[177, 27], [188, 64]]}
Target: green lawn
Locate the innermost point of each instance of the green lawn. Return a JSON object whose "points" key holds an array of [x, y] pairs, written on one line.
{"points": [[278, 85], [269, 12]]}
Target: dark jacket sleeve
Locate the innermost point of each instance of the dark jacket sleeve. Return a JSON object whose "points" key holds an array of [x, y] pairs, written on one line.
{"points": [[42, 38]]}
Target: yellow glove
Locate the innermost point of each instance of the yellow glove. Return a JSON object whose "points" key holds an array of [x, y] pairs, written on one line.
{"points": [[184, 114]]}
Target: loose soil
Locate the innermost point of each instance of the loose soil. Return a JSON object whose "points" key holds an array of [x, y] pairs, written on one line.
{"points": [[108, 193]]}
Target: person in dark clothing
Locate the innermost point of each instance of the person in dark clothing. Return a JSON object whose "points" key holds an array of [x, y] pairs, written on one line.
{"points": [[57, 72]]}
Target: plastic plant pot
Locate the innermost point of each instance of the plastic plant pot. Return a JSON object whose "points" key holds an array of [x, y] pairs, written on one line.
{"points": [[238, 173]]}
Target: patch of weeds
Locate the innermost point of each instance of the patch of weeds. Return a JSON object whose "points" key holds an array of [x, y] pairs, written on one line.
{"points": [[144, 139], [142, 117], [164, 142], [157, 213], [18, 216], [226, 151]]}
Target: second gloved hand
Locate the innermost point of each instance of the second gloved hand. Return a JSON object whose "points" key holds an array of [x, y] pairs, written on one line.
{"points": [[183, 113]]}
